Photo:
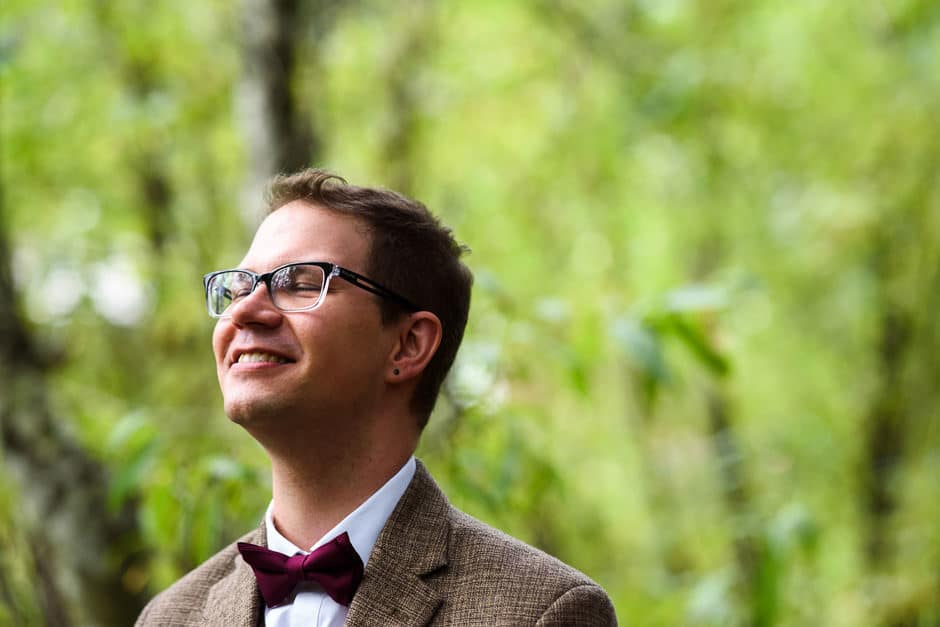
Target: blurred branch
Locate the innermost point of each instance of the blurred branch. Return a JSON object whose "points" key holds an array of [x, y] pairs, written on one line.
{"points": [[147, 149], [749, 551], [601, 35], [403, 69], [885, 433], [895, 241]]}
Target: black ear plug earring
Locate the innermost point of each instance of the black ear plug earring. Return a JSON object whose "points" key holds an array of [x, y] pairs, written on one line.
{"points": [[395, 371]]}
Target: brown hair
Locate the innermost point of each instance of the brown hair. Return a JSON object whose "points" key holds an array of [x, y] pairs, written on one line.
{"points": [[411, 253]]}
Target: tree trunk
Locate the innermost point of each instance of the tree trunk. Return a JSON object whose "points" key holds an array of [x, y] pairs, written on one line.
{"points": [[77, 542], [279, 130], [885, 436]]}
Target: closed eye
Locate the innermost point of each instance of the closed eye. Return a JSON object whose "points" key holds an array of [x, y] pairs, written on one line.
{"points": [[305, 287]]}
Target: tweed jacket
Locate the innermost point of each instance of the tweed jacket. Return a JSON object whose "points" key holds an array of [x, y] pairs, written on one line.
{"points": [[431, 565]]}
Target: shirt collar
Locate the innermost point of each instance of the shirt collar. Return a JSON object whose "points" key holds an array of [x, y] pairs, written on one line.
{"points": [[363, 524]]}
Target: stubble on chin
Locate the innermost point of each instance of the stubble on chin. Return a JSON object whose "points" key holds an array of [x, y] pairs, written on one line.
{"points": [[249, 402], [251, 413]]}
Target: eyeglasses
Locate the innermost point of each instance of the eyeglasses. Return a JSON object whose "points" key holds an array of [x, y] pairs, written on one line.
{"points": [[292, 287]]}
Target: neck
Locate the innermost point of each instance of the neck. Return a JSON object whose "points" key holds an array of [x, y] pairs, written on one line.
{"points": [[316, 486]]}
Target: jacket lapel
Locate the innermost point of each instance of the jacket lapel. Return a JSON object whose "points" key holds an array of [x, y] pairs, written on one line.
{"points": [[234, 601], [412, 544]]}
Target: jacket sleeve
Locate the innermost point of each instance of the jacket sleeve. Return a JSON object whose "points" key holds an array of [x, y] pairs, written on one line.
{"points": [[585, 606]]}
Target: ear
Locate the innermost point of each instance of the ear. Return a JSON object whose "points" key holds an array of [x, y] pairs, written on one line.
{"points": [[419, 335]]}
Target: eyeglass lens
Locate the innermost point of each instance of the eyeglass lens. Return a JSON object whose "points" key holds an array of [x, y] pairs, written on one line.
{"points": [[292, 288]]}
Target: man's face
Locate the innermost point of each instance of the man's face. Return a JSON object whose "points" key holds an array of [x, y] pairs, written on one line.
{"points": [[279, 369]]}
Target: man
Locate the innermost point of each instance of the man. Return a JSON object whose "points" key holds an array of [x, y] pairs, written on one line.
{"points": [[332, 341]]}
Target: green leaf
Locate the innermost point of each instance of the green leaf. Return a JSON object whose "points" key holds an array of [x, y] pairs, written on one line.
{"points": [[131, 474], [693, 338]]}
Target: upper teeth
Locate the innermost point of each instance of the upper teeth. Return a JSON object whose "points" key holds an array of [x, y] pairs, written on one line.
{"points": [[256, 357]]}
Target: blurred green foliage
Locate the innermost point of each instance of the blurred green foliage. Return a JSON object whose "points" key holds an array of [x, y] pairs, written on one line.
{"points": [[692, 225]]}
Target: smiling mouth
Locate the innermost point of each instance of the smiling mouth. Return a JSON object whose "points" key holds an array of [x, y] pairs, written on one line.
{"points": [[258, 358]]}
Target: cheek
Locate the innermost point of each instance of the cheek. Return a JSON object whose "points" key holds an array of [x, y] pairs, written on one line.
{"points": [[221, 338]]}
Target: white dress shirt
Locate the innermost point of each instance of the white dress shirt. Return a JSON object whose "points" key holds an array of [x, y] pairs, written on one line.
{"points": [[311, 605]]}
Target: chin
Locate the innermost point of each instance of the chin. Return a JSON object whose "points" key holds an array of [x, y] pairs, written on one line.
{"points": [[246, 412]]}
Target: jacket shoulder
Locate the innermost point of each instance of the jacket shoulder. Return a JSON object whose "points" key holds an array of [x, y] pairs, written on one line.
{"points": [[494, 575], [478, 546]]}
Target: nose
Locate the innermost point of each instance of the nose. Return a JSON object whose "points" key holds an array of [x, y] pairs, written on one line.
{"points": [[256, 308]]}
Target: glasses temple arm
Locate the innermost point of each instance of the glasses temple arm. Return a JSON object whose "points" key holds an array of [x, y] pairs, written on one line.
{"points": [[370, 286]]}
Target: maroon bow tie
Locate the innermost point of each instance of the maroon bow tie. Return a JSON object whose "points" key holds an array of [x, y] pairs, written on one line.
{"points": [[335, 566]]}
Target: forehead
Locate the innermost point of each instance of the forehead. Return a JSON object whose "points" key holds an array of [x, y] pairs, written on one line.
{"points": [[300, 231]]}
